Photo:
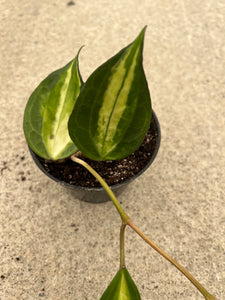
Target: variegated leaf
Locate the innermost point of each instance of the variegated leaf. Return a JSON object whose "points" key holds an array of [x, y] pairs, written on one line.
{"points": [[48, 111], [122, 287], [113, 111]]}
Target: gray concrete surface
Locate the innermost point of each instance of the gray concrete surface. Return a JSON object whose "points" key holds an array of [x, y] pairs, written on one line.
{"points": [[52, 246]]}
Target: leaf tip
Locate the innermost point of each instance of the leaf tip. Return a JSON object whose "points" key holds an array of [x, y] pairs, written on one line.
{"points": [[142, 33], [140, 37], [80, 49]]}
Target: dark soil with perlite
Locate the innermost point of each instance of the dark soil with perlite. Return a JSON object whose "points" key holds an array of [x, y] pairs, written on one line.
{"points": [[113, 172]]}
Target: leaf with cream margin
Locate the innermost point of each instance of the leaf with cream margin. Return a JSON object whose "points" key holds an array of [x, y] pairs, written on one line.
{"points": [[113, 111], [48, 110], [122, 287]]}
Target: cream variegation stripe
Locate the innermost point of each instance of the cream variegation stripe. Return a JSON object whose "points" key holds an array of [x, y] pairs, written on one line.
{"points": [[57, 138], [114, 102]]}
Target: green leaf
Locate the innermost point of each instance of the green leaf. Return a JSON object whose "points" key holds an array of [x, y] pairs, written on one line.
{"points": [[48, 110], [113, 111], [122, 287]]}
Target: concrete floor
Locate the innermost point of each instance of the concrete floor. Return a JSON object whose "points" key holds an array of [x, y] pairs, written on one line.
{"points": [[53, 246]]}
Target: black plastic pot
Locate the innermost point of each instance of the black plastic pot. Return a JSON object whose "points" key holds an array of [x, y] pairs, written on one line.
{"points": [[98, 194]]}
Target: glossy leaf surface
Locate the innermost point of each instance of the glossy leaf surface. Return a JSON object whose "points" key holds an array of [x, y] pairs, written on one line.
{"points": [[113, 111], [122, 287], [48, 110]]}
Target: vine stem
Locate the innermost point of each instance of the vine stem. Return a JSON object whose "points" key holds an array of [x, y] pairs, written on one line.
{"points": [[122, 251], [204, 292], [127, 221], [119, 208]]}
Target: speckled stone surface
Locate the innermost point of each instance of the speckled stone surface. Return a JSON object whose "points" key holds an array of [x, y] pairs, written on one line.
{"points": [[53, 246]]}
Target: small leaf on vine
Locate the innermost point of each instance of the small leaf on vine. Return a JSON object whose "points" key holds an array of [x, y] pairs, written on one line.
{"points": [[121, 287]]}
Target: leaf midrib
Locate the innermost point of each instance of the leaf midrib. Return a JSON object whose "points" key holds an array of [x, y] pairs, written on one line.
{"points": [[62, 109], [114, 105]]}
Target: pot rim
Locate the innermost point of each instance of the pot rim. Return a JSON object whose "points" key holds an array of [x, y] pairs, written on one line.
{"points": [[113, 187]]}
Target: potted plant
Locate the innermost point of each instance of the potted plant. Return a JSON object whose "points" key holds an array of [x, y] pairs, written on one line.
{"points": [[102, 121]]}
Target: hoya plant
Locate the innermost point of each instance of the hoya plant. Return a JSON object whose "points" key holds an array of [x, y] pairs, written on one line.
{"points": [[105, 118]]}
